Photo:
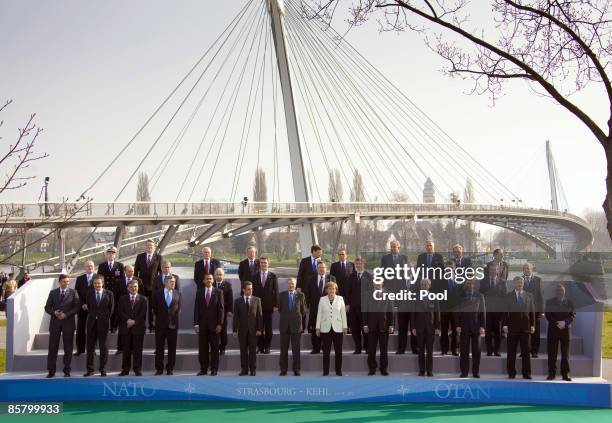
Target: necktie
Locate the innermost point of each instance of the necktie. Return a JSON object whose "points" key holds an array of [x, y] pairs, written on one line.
{"points": [[314, 265], [132, 300], [459, 262], [321, 285], [428, 260], [291, 301], [248, 303], [168, 298], [110, 265], [62, 293], [343, 266], [207, 296], [88, 281], [263, 279], [97, 297], [527, 281], [520, 297], [251, 266], [451, 284], [359, 276], [148, 260], [205, 267]]}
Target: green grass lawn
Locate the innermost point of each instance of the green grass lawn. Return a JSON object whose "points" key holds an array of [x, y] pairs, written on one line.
{"points": [[607, 335], [2, 323], [2, 361]]}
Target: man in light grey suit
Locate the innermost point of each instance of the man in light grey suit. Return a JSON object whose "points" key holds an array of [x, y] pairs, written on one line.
{"points": [[247, 325], [291, 307]]}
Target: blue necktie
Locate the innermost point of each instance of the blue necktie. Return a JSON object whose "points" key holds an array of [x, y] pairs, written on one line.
{"points": [[168, 298], [314, 266], [291, 301], [428, 260], [520, 297], [97, 297], [450, 284]]}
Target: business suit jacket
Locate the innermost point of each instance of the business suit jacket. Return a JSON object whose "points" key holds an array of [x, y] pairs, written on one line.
{"points": [[208, 315], [268, 293], [464, 262], [312, 293], [377, 314], [426, 315], [198, 270], [331, 316], [305, 272], [437, 262], [560, 311], [82, 288], [244, 272], [228, 296], [342, 276], [247, 321], [138, 313], [491, 269], [520, 317], [69, 305], [166, 317], [158, 284], [111, 276], [291, 318], [147, 273], [99, 315], [471, 312], [535, 289], [357, 290], [121, 288]]}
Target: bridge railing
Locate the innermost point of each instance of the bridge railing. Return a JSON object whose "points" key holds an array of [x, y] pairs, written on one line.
{"points": [[54, 210]]}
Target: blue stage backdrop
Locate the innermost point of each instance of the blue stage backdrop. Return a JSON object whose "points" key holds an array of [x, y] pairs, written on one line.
{"points": [[309, 389]]}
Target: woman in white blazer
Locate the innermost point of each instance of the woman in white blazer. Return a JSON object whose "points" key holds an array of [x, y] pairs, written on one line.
{"points": [[331, 326]]}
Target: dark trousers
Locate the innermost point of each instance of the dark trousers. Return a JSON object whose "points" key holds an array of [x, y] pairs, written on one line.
{"points": [[425, 340], [534, 341], [132, 351], [380, 339], [467, 339], [97, 335], [286, 338], [208, 349], [326, 341], [515, 338], [265, 339], [223, 334], [54, 340], [314, 339], [493, 332], [163, 336], [360, 339], [448, 321], [248, 346], [556, 338], [405, 330], [81, 331], [151, 315]]}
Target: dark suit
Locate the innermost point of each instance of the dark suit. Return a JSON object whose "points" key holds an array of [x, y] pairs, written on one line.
{"points": [[268, 293], [132, 338], [559, 310], [426, 319], [199, 270], [82, 287], [208, 315], [448, 318], [471, 315], [429, 270], [342, 275], [166, 327], [463, 262], [290, 327], [313, 294], [519, 319], [305, 271], [98, 325], [228, 307], [533, 285], [146, 271], [353, 299], [391, 261], [493, 287], [112, 279], [63, 328], [246, 322], [245, 272], [378, 317], [159, 280], [120, 291]]}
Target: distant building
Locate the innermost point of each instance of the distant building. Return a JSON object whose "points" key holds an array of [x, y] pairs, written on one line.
{"points": [[429, 193]]}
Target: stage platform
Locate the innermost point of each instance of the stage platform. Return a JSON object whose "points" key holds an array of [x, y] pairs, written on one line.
{"points": [[310, 387]]}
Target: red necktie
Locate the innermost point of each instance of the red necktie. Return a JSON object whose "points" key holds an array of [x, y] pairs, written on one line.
{"points": [[133, 300], [207, 296], [205, 267]]}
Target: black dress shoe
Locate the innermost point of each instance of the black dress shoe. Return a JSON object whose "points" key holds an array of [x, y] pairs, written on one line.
{"points": [[489, 354], [314, 352], [118, 352], [213, 372], [169, 372], [221, 352], [159, 373], [534, 355], [50, 374], [476, 376], [497, 354], [138, 373], [550, 377], [421, 373], [88, 373], [430, 374], [267, 351], [66, 374], [204, 373], [325, 373], [78, 353], [415, 352], [511, 376], [242, 373], [297, 373], [567, 378], [103, 373], [384, 372], [455, 353], [338, 373], [357, 352], [399, 352], [526, 377], [283, 373], [123, 373], [443, 353], [371, 372], [252, 373], [463, 375]]}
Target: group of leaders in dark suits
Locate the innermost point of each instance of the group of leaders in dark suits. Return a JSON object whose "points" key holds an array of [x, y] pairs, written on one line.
{"points": [[117, 299]]}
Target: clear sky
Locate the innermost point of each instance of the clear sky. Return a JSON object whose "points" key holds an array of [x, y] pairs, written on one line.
{"points": [[94, 71]]}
